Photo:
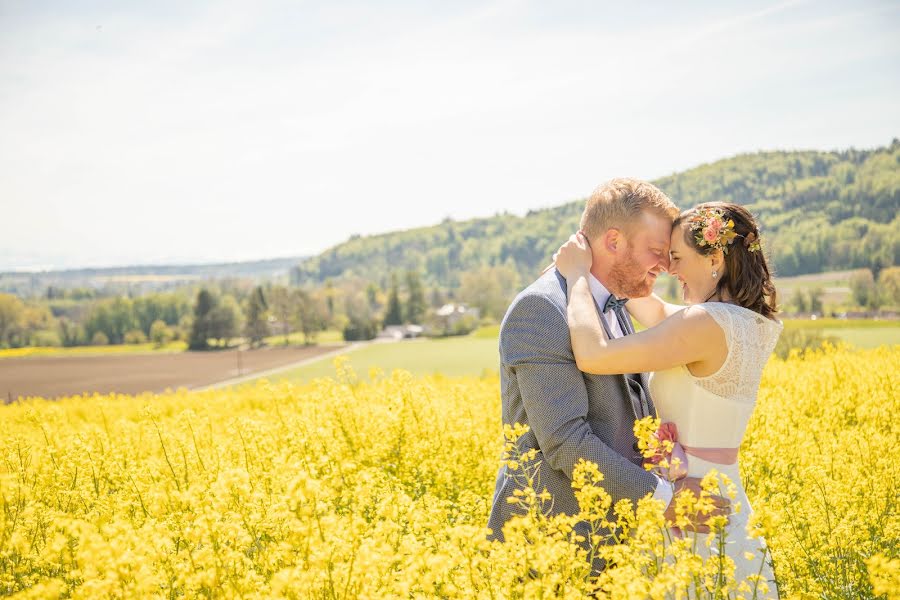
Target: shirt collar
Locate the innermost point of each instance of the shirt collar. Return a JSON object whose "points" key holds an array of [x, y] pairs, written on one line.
{"points": [[599, 292]]}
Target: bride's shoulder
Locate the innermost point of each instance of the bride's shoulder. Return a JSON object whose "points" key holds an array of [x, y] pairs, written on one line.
{"points": [[700, 322], [726, 313]]}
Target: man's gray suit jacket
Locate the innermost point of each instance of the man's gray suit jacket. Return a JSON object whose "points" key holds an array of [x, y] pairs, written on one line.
{"points": [[571, 414]]}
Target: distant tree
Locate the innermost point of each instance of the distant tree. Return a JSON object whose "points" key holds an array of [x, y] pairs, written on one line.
{"points": [[200, 328], [45, 338], [799, 301], [113, 317], [360, 329], [361, 323], [70, 333], [311, 315], [135, 336], [256, 327], [225, 321], [415, 303], [862, 284], [437, 298], [330, 293], [815, 300], [168, 308], [372, 292], [12, 311], [160, 333], [39, 327], [282, 305], [123, 319], [99, 339], [889, 286], [489, 289], [183, 330], [394, 315]]}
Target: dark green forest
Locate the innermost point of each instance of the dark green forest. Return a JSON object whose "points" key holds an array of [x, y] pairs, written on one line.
{"points": [[819, 211]]}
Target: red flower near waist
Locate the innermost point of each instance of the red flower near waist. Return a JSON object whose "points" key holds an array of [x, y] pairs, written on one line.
{"points": [[670, 458]]}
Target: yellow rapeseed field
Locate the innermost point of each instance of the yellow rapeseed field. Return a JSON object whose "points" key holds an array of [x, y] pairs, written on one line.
{"points": [[380, 486]]}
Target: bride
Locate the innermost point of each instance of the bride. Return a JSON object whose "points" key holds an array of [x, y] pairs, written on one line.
{"points": [[707, 357]]}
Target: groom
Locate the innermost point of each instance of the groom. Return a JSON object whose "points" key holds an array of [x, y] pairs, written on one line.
{"points": [[574, 415]]}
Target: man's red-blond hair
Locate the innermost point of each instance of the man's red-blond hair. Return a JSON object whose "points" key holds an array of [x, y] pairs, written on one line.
{"points": [[618, 202]]}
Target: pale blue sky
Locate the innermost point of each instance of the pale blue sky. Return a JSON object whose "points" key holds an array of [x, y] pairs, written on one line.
{"points": [[143, 132]]}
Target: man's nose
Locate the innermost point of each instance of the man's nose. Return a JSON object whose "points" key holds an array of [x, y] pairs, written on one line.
{"points": [[664, 263]]}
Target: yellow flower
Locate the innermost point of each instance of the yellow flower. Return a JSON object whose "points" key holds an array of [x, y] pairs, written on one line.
{"points": [[382, 488]]}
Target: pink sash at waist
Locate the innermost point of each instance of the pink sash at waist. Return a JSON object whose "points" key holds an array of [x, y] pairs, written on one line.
{"points": [[676, 462], [720, 456]]}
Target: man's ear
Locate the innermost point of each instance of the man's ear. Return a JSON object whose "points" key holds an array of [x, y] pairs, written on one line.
{"points": [[612, 240]]}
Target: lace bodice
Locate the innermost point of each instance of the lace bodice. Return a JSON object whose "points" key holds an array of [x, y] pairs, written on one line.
{"points": [[713, 411], [751, 338]]}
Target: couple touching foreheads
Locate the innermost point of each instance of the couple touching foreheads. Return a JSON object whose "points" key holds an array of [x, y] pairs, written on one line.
{"points": [[574, 370]]}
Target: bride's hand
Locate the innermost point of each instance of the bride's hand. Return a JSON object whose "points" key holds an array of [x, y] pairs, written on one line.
{"points": [[574, 257]]}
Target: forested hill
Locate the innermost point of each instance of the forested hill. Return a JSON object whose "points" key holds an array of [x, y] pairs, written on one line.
{"points": [[820, 211]]}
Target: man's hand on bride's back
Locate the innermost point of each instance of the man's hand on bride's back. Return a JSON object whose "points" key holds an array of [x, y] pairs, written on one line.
{"points": [[691, 485], [574, 257]]}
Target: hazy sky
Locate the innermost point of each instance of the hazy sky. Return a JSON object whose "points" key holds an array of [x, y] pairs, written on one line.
{"points": [[142, 132]]}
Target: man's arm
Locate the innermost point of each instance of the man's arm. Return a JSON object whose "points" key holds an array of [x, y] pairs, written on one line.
{"points": [[535, 342]]}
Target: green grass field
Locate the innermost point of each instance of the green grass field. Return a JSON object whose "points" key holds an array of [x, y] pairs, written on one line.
{"points": [[476, 353], [866, 337], [859, 333], [867, 324], [330, 336], [457, 356]]}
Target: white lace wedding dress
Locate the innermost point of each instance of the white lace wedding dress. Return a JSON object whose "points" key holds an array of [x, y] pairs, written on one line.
{"points": [[712, 412]]}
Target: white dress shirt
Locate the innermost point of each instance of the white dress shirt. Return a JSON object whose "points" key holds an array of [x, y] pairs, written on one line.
{"points": [[665, 490]]}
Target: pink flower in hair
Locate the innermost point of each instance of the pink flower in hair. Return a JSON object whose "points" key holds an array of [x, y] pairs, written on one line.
{"points": [[711, 228]]}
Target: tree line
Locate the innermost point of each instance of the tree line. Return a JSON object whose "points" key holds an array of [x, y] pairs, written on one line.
{"points": [[215, 315], [819, 211], [210, 317]]}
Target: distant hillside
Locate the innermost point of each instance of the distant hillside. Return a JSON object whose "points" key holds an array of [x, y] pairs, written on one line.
{"points": [[819, 211], [144, 277]]}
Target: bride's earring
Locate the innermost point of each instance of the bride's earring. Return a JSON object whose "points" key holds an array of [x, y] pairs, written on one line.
{"points": [[715, 274]]}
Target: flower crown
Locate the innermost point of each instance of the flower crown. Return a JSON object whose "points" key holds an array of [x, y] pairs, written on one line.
{"points": [[711, 228]]}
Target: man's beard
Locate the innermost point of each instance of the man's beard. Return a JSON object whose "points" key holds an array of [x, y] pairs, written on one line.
{"points": [[630, 278]]}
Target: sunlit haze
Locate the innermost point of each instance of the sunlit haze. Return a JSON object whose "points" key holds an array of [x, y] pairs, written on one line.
{"points": [[182, 132]]}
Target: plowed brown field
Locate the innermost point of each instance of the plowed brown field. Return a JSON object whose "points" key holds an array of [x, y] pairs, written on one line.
{"points": [[52, 377]]}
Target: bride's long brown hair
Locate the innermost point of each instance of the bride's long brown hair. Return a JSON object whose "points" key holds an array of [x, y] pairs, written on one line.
{"points": [[747, 278]]}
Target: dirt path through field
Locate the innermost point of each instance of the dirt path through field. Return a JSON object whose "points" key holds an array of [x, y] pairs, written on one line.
{"points": [[52, 377], [272, 372]]}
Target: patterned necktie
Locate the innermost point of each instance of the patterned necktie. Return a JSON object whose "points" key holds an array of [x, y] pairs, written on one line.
{"points": [[635, 380], [613, 303]]}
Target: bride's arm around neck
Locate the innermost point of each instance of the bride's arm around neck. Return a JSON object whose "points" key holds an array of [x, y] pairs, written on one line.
{"points": [[651, 310], [690, 337]]}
